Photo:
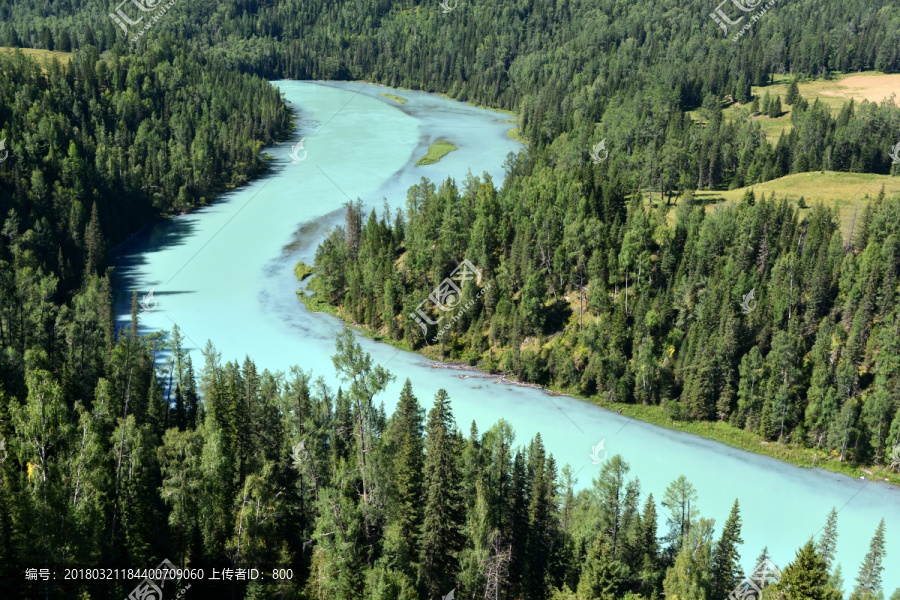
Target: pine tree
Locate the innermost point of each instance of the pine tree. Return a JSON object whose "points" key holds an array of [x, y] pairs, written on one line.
{"points": [[793, 93], [774, 108], [690, 575], [354, 366], [828, 542], [868, 582], [443, 506], [836, 580], [404, 449], [182, 480], [726, 559], [806, 578], [650, 572], [680, 500], [766, 103], [94, 244], [601, 576], [610, 488]]}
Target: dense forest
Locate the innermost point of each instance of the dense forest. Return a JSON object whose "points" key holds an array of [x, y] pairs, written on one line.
{"points": [[279, 470], [116, 451], [575, 72], [94, 150], [589, 291]]}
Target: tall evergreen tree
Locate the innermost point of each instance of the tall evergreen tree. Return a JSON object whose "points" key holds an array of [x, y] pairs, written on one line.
{"points": [[650, 572], [806, 578], [404, 449], [680, 501], [793, 93], [443, 506], [602, 576], [726, 558], [828, 542], [868, 582], [354, 366]]}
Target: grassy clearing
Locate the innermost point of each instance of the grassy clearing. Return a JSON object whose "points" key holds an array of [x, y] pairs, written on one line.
{"points": [[867, 85], [834, 93], [831, 188], [303, 270], [399, 99], [515, 135], [44, 56], [436, 152]]}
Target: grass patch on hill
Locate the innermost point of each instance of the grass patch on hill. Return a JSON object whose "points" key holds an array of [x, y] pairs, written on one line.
{"points": [[44, 56], [399, 99], [436, 152], [834, 92], [849, 191]]}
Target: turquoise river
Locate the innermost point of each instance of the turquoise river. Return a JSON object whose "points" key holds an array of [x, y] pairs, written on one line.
{"points": [[225, 273]]}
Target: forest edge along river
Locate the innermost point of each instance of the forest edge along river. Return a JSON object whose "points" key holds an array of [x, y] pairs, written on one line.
{"points": [[225, 273]]}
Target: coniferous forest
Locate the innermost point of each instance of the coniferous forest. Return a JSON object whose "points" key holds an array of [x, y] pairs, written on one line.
{"points": [[607, 279]]}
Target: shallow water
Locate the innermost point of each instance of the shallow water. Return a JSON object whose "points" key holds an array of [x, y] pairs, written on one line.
{"points": [[225, 273]]}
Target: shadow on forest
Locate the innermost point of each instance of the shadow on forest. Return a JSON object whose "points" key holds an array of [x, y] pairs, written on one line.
{"points": [[708, 200], [558, 315]]}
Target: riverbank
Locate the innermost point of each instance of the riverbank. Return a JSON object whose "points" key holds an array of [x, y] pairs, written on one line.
{"points": [[799, 456]]}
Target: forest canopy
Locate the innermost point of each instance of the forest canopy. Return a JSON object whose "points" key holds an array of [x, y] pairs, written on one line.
{"points": [[605, 278]]}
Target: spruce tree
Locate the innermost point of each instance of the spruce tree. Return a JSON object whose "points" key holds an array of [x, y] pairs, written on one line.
{"points": [[775, 107], [404, 448], [763, 557], [868, 582], [793, 93], [94, 243], [649, 544], [742, 91], [806, 578], [726, 559], [518, 522], [601, 577], [828, 542], [443, 506], [542, 522]]}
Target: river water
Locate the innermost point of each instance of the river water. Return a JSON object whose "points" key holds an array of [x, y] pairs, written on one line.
{"points": [[225, 273]]}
